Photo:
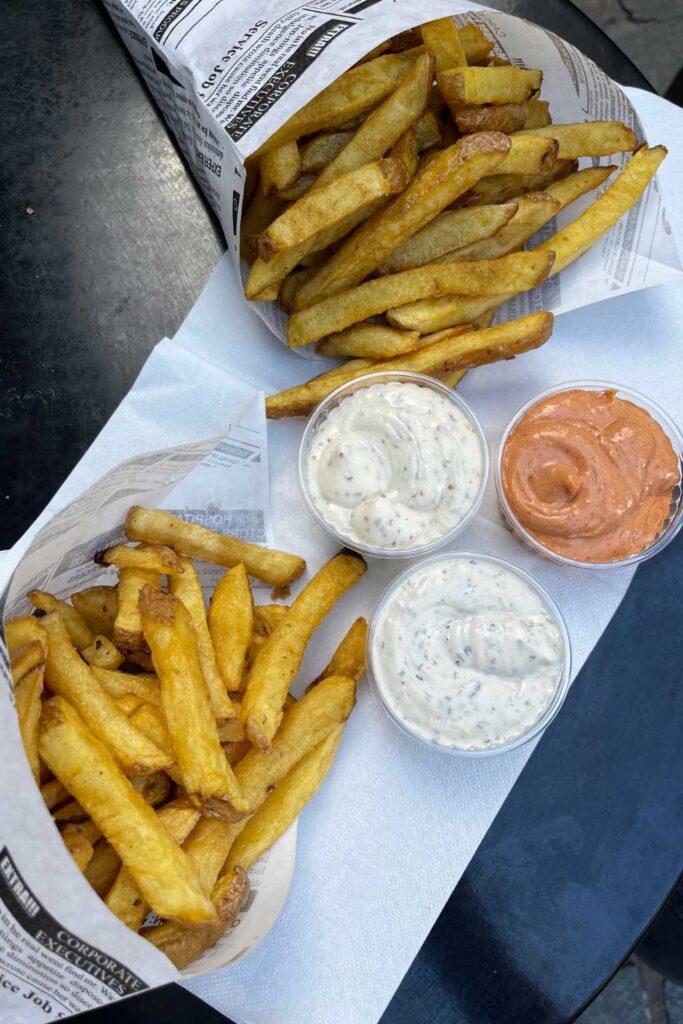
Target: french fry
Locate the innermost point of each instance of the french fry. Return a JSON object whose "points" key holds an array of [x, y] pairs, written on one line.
{"points": [[155, 558], [25, 660], [78, 845], [279, 167], [207, 776], [475, 44], [116, 684], [27, 697], [451, 230], [255, 219], [537, 114], [505, 117], [483, 277], [453, 379], [103, 654], [284, 804], [533, 210], [303, 184], [128, 626], [568, 189], [103, 868], [54, 794], [231, 625], [318, 152], [443, 39], [405, 149], [267, 617], [449, 174], [165, 875], [428, 131], [274, 567], [349, 658], [68, 675], [591, 138], [128, 703], [278, 661], [235, 750], [467, 86], [98, 606], [71, 813], [188, 589], [81, 635], [149, 720], [455, 351], [231, 732], [449, 312], [386, 124], [24, 631], [292, 283], [499, 188], [529, 158], [369, 341]]}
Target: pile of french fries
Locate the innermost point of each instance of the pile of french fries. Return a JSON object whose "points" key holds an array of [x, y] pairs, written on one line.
{"points": [[164, 740], [389, 215]]}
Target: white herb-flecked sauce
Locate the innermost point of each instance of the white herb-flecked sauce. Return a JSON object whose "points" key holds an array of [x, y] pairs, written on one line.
{"points": [[394, 465], [467, 654]]}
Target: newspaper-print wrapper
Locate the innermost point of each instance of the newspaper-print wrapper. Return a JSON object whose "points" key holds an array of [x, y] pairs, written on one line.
{"points": [[226, 76]]}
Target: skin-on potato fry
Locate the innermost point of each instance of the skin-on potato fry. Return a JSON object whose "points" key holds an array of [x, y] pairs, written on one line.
{"points": [[498, 188], [451, 230], [503, 117], [54, 794], [449, 174], [232, 732], [279, 168], [26, 659], [323, 208], [23, 631], [103, 868], [405, 150], [155, 558], [103, 654], [483, 277], [370, 341], [534, 210], [449, 312], [468, 86], [116, 684], [183, 945], [321, 150], [277, 663], [235, 750], [428, 131], [284, 804], [349, 658], [255, 219], [231, 625], [149, 720], [529, 158], [575, 185], [165, 875], [292, 283], [27, 697], [98, 606], [385, 125], [537, 114], [128, 626], [71, 813], [129, 703], [188, 589], [78, 845], [475, 44], [267, 617], [453, 379], [207, 776], [590, 138], [455, 351], [443, 39], [274, 567], [81, 635], [303, 184]]}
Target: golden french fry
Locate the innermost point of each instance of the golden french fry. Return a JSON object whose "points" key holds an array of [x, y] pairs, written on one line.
{"points": [[505, 117], [27, 697], [277, 663], [284, 804], [98, 606], [321, 150], [590, 138], [81, 635], [526, 157], [231, 625], [24, 631], [570, 188], [467, 86], [68, 675], [103, 654], [274, 567], [533, 210], [370, 341], [149, 720], [207, 776], [128, 626], [165, 875], [443, 39], [78, 845], [498, 188], [292, 283], [26, 659], [349, 658], [128, 703], [235, 750], [155, 558], [453, 379], [451, 230], [448, 312], [54, 794], [71, 813], [475, 44], [405, 150], [103, 868], [232, 732], [428, 131], [303, 184], [537, 114], [449, 174], [457, 350], [483, 277], [188, 589], [116, 684], [267, 617], [255, 219], [279, 167]]}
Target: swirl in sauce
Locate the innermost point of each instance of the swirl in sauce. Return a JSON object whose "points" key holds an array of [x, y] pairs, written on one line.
{"points": [[467, 654], [589, 475], [395, 465]]}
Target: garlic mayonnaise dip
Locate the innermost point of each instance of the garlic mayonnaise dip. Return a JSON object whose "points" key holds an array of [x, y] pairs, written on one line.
{"points": [[394, 465], [466, 653]]}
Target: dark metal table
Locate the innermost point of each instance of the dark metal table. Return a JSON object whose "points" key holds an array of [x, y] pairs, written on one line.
{"points": [[107, 244]]}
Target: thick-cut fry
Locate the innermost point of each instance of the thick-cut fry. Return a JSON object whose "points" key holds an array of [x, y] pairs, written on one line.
{"points": [[292, 283], [537, 114], [98, 606], [68, 675], [279, 167], [124, 899], [183, 945], [232, 732], [24, 631], [322, 209], [498, 188], [128, 703], [369, 341], [568, 189], [164, 873], [27, 696], [526, 157], [188, 589], [405, 150], [474, 43], [81, 635], [103, 868], [155, 558], [70, 813], [443, 39], [231, 625], [449, 174], [466, 86], [103, 654], [428, 131], [453, 379], [349, 658], [149, 720], [534, 210], [321, 150], [484, 277], [450, 311], [505, 117], [303, 184], [255, 219], [591, 138], [26, 659], [116, 684], [195, 541], [54, 794], [278, 661], [208, 777], [78, 845], [456, 351], [385, 125], [283, 805], [451, 230], [235, 750], [128, 626], [267, 617]]}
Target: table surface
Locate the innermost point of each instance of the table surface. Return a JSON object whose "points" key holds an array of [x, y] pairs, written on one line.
{"points": [[107, 244]]}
